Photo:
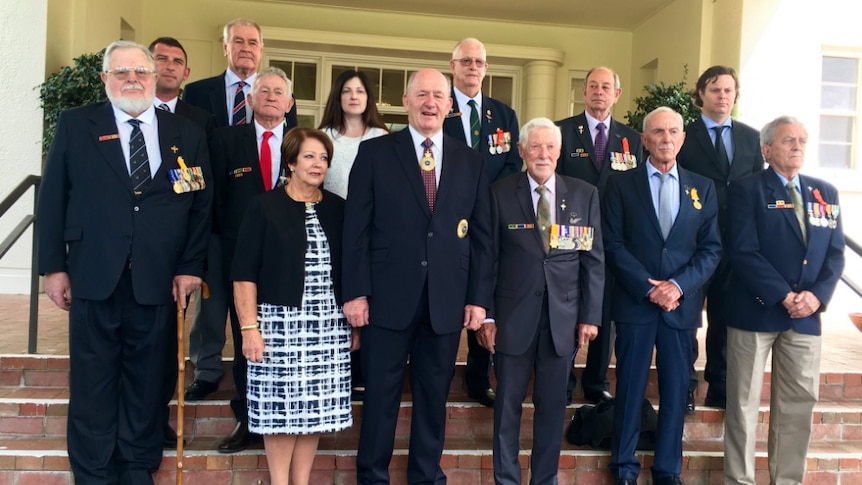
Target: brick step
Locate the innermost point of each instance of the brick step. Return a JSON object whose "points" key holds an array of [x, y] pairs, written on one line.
{"points": [[465, 462], [38, 371]]}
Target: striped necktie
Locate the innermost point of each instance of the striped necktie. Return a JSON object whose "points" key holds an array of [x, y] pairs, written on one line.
{"points": [[139, 161], [239, 105], [543, 217], [798, 210], [475, 126]]}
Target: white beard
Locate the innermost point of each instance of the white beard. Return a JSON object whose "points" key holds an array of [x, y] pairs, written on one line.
{"points": [[131, 105]]}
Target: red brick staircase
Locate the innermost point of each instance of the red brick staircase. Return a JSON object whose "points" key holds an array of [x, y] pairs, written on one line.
{"points": [[34, 401]]}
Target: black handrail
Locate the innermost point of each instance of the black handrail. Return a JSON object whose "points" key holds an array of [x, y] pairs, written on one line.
{"points": [[30, 219], [856, 248]]}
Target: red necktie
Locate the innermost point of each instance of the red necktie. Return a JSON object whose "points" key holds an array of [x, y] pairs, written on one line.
{"points": [[429, 177], [266, 161]]}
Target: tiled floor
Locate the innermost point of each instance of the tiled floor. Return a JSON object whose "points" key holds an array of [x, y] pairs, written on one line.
{"points": [[842, 343]]}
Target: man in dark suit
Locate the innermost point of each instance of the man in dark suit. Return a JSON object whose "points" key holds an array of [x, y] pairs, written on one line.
{"points": [[124, 213], [593, 154], [547, 301], [737, 155], [662, 243], [491, 127], [418, 268], [225, 96], [242, 171], [786, 246]]}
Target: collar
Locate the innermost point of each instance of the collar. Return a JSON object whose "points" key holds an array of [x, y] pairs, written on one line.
{"points": [[418, 138], [463, 99], [146, 117], [795, 181], [172, 103], [276, 133], [230, 78], [550, 184], [652, 170], [710, 124], [592, 122]]}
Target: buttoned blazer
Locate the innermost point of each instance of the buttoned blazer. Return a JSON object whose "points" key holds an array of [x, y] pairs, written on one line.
{"points": [[574, 280], [237, 179], [209, 94], [578, 155], [395, 248], [91, 223], [698, 155], [636, 251], [769, 257], [495, 115]]}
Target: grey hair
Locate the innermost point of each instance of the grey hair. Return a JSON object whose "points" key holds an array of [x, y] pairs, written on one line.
{"points": [[412, 76], [767, 133], [661, 109], [616, 76], [272, 71], [457, 48], [240, 21], [536, 124], [123, 45]]}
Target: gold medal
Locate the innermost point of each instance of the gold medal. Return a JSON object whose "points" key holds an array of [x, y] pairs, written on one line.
{"points": [[427, 162], [698, 205], [463, 227]]}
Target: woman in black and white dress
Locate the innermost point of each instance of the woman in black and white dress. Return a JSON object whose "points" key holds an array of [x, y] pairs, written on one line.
{"points": [[286, 276]]}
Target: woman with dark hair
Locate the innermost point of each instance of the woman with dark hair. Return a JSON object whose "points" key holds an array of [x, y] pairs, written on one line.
{"points": [[286, 274], [349, 118]]}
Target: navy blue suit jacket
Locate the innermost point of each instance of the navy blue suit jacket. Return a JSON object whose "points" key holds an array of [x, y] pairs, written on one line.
{"points": [[393, 244], [635, 249], [578, 155], [198, 116], [769, 258], [91, 222], [495, 115], [209, 94]]}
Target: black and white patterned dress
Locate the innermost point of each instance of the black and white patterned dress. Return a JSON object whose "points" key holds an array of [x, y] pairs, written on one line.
{"points": [[303, 384]]}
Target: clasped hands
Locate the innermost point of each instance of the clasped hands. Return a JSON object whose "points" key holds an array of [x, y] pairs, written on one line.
{"points": [[665, 294], [802, 304]]}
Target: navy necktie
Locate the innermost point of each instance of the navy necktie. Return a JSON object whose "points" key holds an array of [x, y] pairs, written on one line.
{"points": [[139, 161], [238, 105]]}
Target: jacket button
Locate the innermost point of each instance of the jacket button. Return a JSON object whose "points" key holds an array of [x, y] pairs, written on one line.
{"points": [[431, 234], [795, 286], [424, 263], [137, 209], [804, 262]]}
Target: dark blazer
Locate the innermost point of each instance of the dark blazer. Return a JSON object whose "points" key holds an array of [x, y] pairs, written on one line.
{"points": [[270, 248], [91, 223], [769, 257], [578, 155], [574, 279], [196, 115], [635, 249], [209, 94], [236, 165], [698, 155], [393, 244], [495, 115]]}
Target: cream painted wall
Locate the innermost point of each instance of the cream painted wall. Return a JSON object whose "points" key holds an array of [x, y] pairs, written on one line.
{"points": [[24, 24]]}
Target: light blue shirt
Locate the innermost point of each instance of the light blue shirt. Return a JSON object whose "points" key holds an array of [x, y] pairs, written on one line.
{"points": [[654, 184], [726, 134], [230, 80]]}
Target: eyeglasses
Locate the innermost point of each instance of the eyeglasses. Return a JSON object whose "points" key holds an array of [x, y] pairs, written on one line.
{"points": [[467, 62], [122, 73]]}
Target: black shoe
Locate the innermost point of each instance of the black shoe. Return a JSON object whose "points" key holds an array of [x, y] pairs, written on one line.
{"points": [[689, 403], [486, 397], [357, 394], [170, 442], [199, 389], [626, 481], [238, 439], [598, 397], [668, 480], [714, 401]]}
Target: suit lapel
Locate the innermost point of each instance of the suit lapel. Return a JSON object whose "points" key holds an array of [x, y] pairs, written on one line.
{"points": [[779, 192], [456, 126], [170, 146], [248, 142], [407, 157], [582, 131], [105, 125], [643, 190], [218, 98], [740, 145], [708, 147], [525, 200]]}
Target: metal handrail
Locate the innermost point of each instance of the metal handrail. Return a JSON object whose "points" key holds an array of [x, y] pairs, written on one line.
{"points": [[856, 248], [30, 219]]}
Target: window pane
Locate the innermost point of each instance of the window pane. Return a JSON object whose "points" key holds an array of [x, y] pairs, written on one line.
{"points": [[306, 121], [305, 81], [838, 97], [373, 79], [393, 88], [839, 70], [338, 70], [501, 89], [836, 128], [395, 122], [285, 66], [834, 156]]}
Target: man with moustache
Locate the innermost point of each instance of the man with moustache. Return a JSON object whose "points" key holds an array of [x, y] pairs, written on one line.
{"points": [[491, 127], [594, 147], [418, 269], [662, 244], [119, 244]]}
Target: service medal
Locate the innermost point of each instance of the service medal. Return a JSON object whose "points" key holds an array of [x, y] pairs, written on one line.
{"points": [[427, 162], [463, 227]]}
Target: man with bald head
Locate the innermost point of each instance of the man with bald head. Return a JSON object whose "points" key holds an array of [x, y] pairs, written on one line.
{"points": [[419, 268]]}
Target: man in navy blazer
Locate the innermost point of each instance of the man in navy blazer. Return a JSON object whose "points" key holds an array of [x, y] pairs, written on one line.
{"points": [[547, 301], [117, 250], [786, 246], [578, 159], [662, 244], [716, 92], [418, 268], [495, 136]]}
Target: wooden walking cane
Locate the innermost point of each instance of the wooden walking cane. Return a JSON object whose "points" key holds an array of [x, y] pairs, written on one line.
{"points": [[181, 376]]}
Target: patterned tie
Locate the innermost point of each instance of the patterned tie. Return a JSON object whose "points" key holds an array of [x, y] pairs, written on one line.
{"points": [[475, 126], [429, 177], [238, 105], [266, 161], [720, 149], [798, 209], [601, 146], [165, 107], [139, 161], [665, 221], [543, 217]]}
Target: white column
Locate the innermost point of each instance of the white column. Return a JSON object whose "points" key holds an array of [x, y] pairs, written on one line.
{"points": [[540, 79]]}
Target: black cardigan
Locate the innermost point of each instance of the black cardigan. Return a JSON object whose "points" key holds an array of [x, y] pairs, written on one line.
{"points": [[271, 244]]}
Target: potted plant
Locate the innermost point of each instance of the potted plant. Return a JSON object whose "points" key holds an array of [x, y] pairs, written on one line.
{"points": [[675, 96]]}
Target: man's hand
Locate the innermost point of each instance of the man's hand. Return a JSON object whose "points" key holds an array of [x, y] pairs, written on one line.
{"points": [[802, 304], [664, 294], [184, 286], [356, 312], [58, 289], [487, 336], [587, 332], [473, 317]]}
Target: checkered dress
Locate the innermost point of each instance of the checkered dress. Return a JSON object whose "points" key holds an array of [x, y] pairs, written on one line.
{"points": [[303, 384]]}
